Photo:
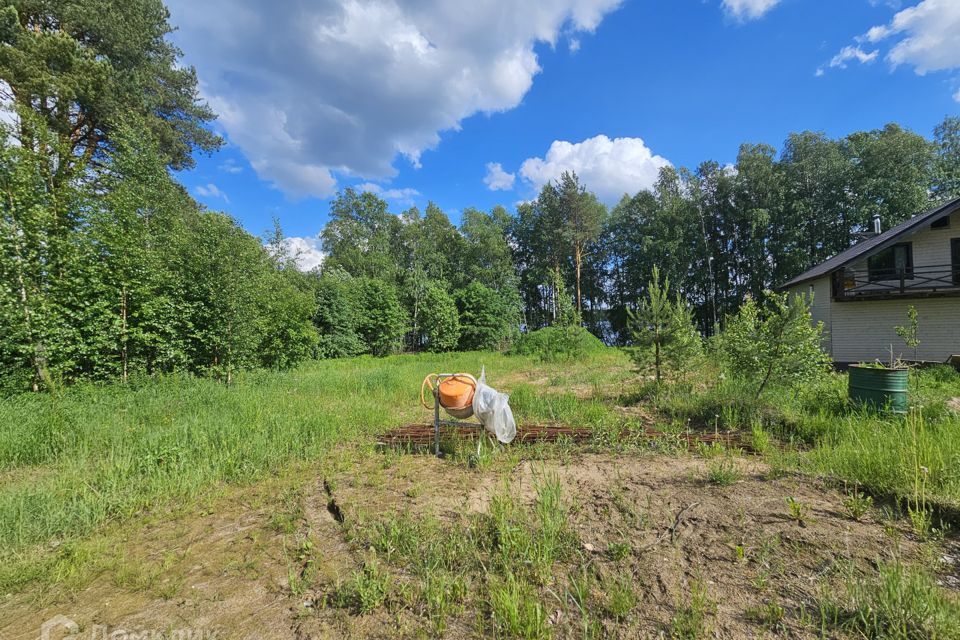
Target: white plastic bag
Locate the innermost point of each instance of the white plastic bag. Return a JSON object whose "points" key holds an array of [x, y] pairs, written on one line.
{"points": [[492, 409]]}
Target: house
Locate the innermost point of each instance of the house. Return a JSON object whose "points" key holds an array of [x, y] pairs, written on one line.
{"points": [[860, 295]]}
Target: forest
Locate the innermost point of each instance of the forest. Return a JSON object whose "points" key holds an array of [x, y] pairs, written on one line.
{"points": [[110, 270]]}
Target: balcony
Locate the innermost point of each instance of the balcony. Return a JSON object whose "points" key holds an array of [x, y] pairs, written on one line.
{"points": [[885, 284]]}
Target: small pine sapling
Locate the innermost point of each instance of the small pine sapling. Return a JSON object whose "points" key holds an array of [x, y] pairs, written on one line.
{"points": [[662, 329]]}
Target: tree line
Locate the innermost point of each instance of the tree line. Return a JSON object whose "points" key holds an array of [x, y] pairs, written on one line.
{"points": [[109, 270], [722, 233]]}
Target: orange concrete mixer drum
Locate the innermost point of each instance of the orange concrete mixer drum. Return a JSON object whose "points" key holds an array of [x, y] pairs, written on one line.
{"points": [[455, 392]]}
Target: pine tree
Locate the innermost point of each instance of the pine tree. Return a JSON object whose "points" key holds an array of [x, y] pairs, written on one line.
{"points": [[663, 330]]}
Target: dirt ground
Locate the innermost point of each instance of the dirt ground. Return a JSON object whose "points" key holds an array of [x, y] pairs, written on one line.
{"points": [[229, 568]]}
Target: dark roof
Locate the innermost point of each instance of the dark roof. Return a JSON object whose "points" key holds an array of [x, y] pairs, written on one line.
{"points": [[873, 245]]}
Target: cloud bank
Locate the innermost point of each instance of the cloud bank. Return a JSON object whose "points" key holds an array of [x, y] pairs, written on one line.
{"points": [[318, 89]]}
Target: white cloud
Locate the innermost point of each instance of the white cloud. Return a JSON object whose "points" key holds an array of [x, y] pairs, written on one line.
{"points": [[956, 96], [230, 166], [748, 9], [305, 251], [402, 196], [609, 168], [319, 90], [497, 179], [924, 36], [928, 36], [211, 190], [850, 53]]}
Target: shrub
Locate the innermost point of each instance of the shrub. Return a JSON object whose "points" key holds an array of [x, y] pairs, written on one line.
{"points": [[439, 321], [774, 344], [336, 316], [565, 339], [557, 343], [486, 320], [381, 320]]}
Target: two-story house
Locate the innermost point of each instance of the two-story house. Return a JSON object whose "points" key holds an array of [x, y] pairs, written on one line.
{"points": [[862, 294]]}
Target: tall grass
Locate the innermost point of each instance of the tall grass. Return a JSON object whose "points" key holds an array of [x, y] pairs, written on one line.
{"points": [[91, 454], [907, 456], [915, 457]]}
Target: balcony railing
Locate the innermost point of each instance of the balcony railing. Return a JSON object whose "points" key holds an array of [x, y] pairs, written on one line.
{"points": [[855, 284]]}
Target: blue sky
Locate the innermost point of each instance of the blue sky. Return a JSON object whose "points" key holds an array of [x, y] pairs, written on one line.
{"points": [[479, 104]]}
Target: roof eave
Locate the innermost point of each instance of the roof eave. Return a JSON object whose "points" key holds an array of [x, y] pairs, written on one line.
{"points": [[918, 221]]}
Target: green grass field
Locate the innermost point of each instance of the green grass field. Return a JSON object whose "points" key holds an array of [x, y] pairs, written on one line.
{"points": [[75, 463], [74, 460]]}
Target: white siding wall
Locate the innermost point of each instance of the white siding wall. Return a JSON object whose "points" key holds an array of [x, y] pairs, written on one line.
{"points": [[862, 330], [822, 306]]}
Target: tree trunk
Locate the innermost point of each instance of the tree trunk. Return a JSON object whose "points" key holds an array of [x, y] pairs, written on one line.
{"points": [[35, 346], [656, 354], [123, 333], [578, 259]]}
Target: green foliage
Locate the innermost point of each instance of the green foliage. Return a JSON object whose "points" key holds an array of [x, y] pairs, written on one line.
{"points": [[359, 236], [663, 330], [487, 257], [774, 344], [439, 320], [858, 504], [287, 334], [366, 590], [486, 320], [557, 343], [946, 139], [798, 511], [565, 339], [900, 605], [382, 321], [723, 471], [103, 64], [910, 333], [125, 276], [723, 235], [337, 316], [621, 599], [691, 620], [515, 609]]}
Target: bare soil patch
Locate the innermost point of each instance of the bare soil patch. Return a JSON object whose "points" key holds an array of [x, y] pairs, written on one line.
{"points": [[653, 519], [742, 541]]}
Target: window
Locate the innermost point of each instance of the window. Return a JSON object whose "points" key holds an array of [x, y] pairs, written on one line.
{"points": [[942, 223], [892, 263]]}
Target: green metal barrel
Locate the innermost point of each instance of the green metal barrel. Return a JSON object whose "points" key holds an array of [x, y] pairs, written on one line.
{"points": [[881, 388]]}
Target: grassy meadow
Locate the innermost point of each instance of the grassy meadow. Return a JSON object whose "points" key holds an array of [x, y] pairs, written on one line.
{"points": [[76, 463], [77, 459]]}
